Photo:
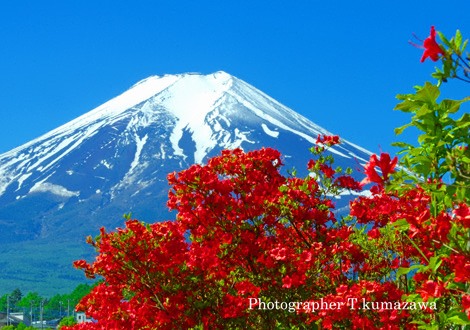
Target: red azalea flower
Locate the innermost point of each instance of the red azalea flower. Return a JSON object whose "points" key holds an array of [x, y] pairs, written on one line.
{"points": [[287, 282], [386, 165], [327, 170], [466, 304], [328, 140], [462, 215], [373, 233], [460, 266], [348, 182], [431, 47], [430, 289], [279, 253]]}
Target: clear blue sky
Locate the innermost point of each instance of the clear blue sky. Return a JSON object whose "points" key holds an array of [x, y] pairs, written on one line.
{"points": [[339, 63]]}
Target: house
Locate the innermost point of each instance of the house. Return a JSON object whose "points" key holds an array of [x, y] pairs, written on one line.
{"points": [[81, 317], [13, 319]]}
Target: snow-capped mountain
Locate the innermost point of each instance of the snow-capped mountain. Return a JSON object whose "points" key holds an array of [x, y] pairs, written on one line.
{"points": [[68, 183]]}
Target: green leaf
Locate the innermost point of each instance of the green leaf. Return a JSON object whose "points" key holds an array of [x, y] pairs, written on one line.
{"points": [[450, 106], [400, 129], [460, 319], [424, 138], [458, 39], [463, 121], [428, 94], [283, 188], [405, 270], [400, 225], [423, 111], [464, 45], [443, 38], [403, 145], [434, 263]]}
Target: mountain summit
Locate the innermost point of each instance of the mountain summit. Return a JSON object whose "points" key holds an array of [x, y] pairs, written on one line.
{"points": [[66, 184]]}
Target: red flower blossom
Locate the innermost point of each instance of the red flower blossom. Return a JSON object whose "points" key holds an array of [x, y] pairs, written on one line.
{"points": [[328, 140], [430, 289], [386, 165], [287, 282], [348, 182], [279, 253], [462, 215], [461, 267], [431, 47], [327, 170], [373, 233], [466, 304]]}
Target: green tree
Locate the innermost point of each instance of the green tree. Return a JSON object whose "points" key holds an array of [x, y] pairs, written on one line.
{"points": [[64, 304], [56, 304], [15, 296], [67, 321], [30, 303], [3, 303], [11, 299], [9, 327], [78, 293], [23, 326], [31, 299]]}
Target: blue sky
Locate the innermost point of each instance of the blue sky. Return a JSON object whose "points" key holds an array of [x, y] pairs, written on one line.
{"points": [[339, 63]]}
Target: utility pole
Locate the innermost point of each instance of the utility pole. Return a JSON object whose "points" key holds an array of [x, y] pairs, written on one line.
{"points": [[68, 307], [41, 311], [8, 310], [31, 313]]}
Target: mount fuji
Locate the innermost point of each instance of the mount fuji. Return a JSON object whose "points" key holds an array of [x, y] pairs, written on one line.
{"points": [[59, 188]]}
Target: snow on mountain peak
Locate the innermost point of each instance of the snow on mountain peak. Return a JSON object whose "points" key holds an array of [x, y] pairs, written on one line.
{"points": [[196, 112], [188, 97], [190, 100]]}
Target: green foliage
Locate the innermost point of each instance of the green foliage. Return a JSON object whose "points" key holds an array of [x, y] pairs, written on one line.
{"points": [[455, 62], [10, 298], [53, 308], [3, 302], [31, 299], [67, 321], [15, 297], [58, 304], [441, 160], [79, 292], [9, 327], [23, 326], [20, 326]]}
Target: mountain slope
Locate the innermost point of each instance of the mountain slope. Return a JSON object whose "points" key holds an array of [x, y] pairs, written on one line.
{"points": [[68, 183]]}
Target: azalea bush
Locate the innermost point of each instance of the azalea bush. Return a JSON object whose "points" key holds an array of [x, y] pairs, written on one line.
{"points": [[253, 248]]}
